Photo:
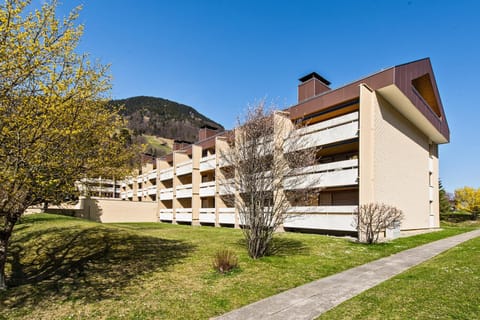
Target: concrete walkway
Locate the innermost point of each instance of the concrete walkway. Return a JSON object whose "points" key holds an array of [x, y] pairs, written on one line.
{"points": [[312, 299]]}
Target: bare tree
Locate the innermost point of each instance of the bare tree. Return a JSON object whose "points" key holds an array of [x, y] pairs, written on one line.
{"points": [[374, 218], [264, 156]]}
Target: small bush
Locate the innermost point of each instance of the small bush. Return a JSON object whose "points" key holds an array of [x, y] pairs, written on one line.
{"points": [[225, 260]]}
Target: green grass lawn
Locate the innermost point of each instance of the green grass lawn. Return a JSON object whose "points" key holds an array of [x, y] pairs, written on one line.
{"points": [[66, 268], [445, 287]]}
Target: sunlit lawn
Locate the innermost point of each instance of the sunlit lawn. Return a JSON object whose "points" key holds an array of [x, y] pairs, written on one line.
{"points": [[445, 287], [66, 268]]}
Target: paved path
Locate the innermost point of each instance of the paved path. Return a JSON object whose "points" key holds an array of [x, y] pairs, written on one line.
{"points": [[312, 299]]}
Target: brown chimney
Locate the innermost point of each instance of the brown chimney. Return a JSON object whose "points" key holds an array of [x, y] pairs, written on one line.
{"points": [[312, 85], [206, 132]]}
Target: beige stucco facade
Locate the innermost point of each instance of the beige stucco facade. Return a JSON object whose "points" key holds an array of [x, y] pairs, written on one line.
{"points": [[376, 140]]}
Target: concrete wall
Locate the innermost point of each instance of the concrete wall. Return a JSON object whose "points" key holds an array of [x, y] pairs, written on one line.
{"points": [[394, 166], [115, 210]]}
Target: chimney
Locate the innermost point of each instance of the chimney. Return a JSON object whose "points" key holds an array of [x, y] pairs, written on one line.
{"points": [[206, 131], [312, 85]]}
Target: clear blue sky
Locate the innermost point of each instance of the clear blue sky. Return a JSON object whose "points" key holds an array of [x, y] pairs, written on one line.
{"points": [[218, 56]]}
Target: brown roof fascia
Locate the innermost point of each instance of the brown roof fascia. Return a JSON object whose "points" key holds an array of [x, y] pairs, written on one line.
{"points": [[340, 95], [404, 74], [400, 75]]}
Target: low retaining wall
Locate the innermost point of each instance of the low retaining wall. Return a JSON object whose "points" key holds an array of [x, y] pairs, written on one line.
{"points": [[115, 210], [106, 210]]}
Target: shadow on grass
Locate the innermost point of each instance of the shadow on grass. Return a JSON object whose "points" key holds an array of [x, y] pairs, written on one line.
{"points": [[87, 264], [281, 246]]}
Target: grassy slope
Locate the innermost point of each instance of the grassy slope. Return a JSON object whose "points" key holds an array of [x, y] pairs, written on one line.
{"points": [[67, 268], [445, 287], [162, 145]]}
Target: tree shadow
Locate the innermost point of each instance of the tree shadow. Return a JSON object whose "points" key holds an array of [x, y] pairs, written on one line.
{"points": [[88, 264], [281, 247]]}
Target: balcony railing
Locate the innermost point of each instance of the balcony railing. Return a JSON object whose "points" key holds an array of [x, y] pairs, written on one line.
{"points": [[329, 131], [207, 189], [123, 195], [152, 175], [166, 174], [208, 163], [227, 187], [339, 173], [340, 218], [430, 165], [226, 215], [184, 191], [130, 194], [183, 214], [166, 214], [184, 168], [166, 194], [152, 190], [207, 215]]}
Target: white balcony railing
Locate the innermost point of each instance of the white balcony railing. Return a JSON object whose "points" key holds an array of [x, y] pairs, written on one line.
{"points": [[329, 131], [140, 193], [152, 175], [226, 215], [340, 218], [139, 179], [430, 165], [183, 214], [130, 194], [207, 189], [152, 190], [123, 195], [207, 215], [184, 191], [166, 214], [208, 163], [166, 194], [339, 173], [226, 187], [431, 193], [184, 168], [166, 174]]}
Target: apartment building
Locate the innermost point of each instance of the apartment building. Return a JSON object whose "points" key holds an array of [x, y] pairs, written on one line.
{"points": [[377, 140]]}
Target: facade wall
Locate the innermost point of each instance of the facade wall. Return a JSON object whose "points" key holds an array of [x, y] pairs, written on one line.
{"points": [[368, 152], [398, 163]]}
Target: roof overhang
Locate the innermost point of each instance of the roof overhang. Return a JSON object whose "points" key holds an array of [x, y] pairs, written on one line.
{"points": [[404, 105]]}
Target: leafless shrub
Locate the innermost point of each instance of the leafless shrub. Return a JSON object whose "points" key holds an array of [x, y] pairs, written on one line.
{"points": [[265, 156], [374, 218]]}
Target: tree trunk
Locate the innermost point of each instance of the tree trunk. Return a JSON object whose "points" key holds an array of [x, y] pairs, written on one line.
{"points": [[9, 222]]}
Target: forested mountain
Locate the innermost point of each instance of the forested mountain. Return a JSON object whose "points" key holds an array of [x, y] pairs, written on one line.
{"points": [[163, 118]]}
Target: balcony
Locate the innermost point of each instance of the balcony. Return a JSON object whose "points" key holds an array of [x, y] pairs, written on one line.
{"points": [[227, 187], [140, 193], [152, 175], [166, 194], [341, 218], [166, 174], [123, 195], [184, 191], [207, 215], [166, 214], [208, 163], [339, 173], [207, 189], [184, 168], [226, 215], [152, 190], [326, 132], [430, 165], [183, 215], [139, 179], [130, 194]]}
